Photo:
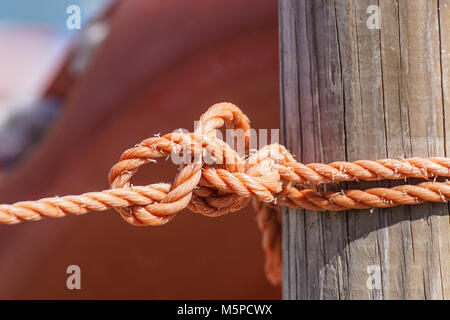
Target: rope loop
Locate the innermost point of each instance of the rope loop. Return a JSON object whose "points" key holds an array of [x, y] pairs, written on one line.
{"points": [[203, 188]]}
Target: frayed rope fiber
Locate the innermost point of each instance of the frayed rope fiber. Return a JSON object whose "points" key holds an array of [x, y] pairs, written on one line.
{"points": [[270, 176]]}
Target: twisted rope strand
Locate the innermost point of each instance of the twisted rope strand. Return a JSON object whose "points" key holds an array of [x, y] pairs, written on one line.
{"points": [[365, 199], [57, 207], [216, 181]]}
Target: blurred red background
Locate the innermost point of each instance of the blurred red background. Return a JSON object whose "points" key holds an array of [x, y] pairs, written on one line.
{"points": [[161, 65]]}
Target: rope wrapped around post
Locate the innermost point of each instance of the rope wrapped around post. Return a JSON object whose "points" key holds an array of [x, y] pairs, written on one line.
{"points": [[270, 176]]}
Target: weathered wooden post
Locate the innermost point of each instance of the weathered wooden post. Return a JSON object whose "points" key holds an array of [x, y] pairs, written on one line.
{"points": [[349, 91]]}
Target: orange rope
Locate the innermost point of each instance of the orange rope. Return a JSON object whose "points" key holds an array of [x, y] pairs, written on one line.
{"points": [[271, 175]]}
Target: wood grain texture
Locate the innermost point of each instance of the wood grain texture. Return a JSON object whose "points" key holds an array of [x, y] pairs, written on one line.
{"points": [[347, 93]]}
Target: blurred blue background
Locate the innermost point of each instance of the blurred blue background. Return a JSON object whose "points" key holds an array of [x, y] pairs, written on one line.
{"points": [[46, 12], [34, 39]]}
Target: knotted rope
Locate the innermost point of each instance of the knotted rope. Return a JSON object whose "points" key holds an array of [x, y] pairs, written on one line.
{"points": [[271, 176]]}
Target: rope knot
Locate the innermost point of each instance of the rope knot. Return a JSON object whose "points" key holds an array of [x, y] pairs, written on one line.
{"points": [[213, 179]]}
